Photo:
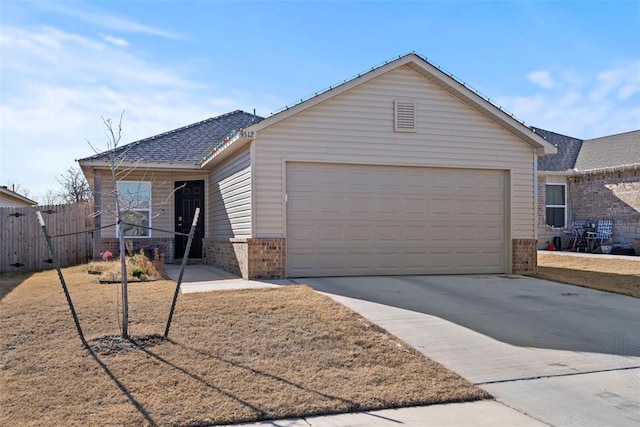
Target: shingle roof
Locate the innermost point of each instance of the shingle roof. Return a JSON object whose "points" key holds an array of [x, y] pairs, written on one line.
{"points": [[568, 151], [188, 144], [610, 151]]}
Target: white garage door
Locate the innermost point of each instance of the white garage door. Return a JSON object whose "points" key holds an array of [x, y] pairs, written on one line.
{"points": [[346, 220]]}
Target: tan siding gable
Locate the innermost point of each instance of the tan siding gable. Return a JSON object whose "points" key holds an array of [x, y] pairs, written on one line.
{"points": [[357, 126], [230, 204]]}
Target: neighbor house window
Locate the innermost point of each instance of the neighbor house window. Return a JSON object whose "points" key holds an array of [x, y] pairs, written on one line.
{"points": [[135, 203], [556, 204]]}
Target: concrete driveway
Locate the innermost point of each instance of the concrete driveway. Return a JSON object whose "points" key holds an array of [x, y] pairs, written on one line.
{"points": [[561, 354]]}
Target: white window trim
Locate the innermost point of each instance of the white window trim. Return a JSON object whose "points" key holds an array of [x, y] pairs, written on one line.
{"points": [[546, 205], [138, 210]]}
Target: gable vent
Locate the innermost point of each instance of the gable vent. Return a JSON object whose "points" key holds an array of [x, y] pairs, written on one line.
{"points": [[404, 116]]}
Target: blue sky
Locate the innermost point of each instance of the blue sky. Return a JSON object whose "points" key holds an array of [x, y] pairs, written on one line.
{"points": [[568, 66]]}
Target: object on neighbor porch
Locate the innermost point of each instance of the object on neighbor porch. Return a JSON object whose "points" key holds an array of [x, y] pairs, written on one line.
{"points": [[557, 242], [589, 236], [636, 246], [623, 249], [576, 233], [606, 249], [551, 246], [600, 233]]}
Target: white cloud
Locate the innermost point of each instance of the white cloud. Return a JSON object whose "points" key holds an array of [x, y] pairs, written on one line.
{"points": [[116, 41], [57, 85], [542, 79], [580, 104], [103, 19]]}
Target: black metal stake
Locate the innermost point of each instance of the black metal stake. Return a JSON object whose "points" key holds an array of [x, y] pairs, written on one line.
{"points": [[184, 263], [62, 281]]}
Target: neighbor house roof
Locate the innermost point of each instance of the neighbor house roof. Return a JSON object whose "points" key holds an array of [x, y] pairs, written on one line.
{"points": [[185, 145], [610, 151], [9, 198], [568, 150], [576, 155]]}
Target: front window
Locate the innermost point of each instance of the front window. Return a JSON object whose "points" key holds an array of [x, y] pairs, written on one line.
{"points": [[135, 203], [556, 204]]}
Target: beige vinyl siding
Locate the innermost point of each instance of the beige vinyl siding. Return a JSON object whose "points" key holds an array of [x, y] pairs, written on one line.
{"points": [[162, 200], [230, 202], [357, 127], [7, 202]]}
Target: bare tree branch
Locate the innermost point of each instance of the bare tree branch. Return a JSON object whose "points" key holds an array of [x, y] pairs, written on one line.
{"points": [[75, 188]]}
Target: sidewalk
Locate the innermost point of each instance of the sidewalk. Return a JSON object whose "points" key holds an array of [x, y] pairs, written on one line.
{"points": [[588, 255]]}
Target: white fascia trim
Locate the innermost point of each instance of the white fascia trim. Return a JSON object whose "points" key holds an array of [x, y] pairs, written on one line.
{"points": [[146, 165], [494, 112], [557, 173], [237, 139]]}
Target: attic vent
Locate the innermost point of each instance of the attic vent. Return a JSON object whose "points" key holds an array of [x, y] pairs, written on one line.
{"points": [[404, 116]]}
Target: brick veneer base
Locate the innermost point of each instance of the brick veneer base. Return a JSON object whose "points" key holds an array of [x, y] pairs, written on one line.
{"points": [[265, 258], [251, 258], [164, 244], [524, 257]]}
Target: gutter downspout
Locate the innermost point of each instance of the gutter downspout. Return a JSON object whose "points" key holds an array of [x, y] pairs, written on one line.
{"points": [[97, 213], [535, 193]]}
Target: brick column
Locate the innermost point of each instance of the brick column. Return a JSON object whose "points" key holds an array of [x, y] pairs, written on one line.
{"points": [[267, 258], [524, 256], [250, 258]]}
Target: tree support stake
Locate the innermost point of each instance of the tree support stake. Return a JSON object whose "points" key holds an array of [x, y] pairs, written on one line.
{"points": [[184, 263], [61, 277]]}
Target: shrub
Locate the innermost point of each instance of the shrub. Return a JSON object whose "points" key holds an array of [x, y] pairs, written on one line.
{"points": [[139, 267]]}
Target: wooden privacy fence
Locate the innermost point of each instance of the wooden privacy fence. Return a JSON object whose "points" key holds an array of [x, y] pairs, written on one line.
{"points": [[22, 243]]}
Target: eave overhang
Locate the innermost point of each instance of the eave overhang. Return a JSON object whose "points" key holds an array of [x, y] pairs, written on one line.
{"points": [[228, 145]]}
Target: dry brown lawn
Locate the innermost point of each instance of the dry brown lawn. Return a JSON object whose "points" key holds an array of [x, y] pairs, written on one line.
{"points": [[232, 356], [609, 274]]}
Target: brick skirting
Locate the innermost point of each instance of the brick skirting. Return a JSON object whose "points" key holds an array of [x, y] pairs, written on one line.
{"points": [[250, 258], [524, 256], [265, 258], [164, 244]]}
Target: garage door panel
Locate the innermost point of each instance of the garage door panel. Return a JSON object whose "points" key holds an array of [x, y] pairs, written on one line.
{"points": [[441, 207], [358, 205], [491, 208], [358, 220], [361, 233]]}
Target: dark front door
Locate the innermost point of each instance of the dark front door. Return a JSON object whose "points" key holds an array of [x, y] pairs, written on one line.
{"points": [[189, 195]]}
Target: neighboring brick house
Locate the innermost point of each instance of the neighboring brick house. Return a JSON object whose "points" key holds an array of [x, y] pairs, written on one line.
{"points": [[590, 180]]}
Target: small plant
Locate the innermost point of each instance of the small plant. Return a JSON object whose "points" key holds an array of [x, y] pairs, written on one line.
{"points": [[139, 268]]}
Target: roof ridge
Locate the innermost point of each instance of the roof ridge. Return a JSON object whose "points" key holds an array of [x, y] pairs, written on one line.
{"points": [[535, 128], [189, 126], [613, 135]]}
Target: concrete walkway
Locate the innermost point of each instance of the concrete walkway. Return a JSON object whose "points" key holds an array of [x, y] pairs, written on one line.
{"points": [[533, 386], [588, 255]]}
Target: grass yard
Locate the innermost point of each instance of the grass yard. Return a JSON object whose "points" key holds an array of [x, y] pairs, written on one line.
{"points": [[232, 356], [610, 274]]}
